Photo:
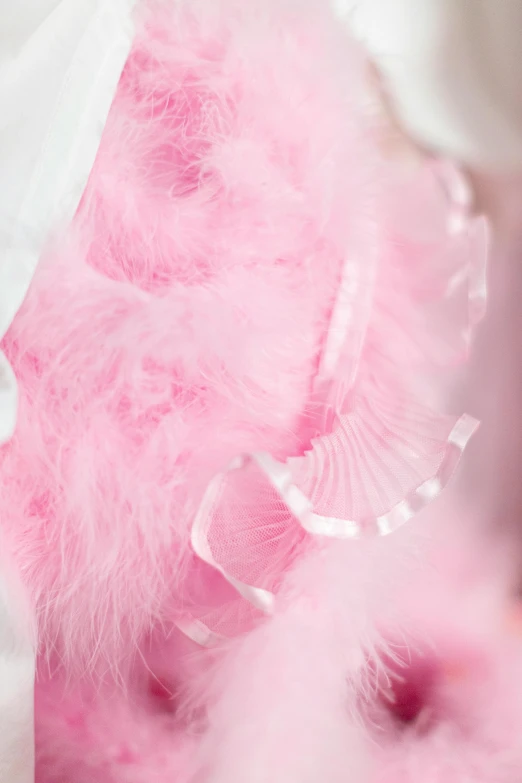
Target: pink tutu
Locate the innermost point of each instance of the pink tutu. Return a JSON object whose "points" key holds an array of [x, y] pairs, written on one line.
{"points": [[236, 372]]}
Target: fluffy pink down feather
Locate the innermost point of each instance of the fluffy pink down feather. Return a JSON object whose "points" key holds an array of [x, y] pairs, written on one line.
{"points": [[396, 660], [181, 321]]}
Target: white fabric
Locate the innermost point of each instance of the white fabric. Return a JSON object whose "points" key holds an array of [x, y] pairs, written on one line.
{"points": [[17, 670], [60, 62], [454, 69], [57, 81]]}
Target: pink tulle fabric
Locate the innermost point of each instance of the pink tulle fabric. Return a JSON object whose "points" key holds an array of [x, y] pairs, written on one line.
{"points": [[235, 376]]}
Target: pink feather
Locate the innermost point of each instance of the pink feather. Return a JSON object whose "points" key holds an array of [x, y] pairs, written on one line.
{"points": [[183, 320]]}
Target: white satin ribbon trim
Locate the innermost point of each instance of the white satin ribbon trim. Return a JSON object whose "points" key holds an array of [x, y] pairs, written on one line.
{"points": [[198, 632], [342, 317], [261, 599], [350, 315], [280, 477], [478, 280]]}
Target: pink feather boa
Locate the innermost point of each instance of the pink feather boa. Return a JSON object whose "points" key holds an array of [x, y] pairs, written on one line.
{"points": [[182, 320]]}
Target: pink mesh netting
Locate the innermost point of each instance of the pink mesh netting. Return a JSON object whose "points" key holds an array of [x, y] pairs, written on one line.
{"points": [[383, 449], [378, 453]]}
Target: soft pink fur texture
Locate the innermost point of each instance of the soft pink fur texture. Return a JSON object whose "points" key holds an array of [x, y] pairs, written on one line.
{"points": [[110, 739], [394, 660], [180, 321], [176, 324]]}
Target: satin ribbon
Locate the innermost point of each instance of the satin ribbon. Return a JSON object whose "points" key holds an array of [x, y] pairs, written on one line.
{"points": [[342, 348]]}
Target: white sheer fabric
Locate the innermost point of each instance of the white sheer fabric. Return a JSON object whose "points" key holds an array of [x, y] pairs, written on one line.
{"points": [[453, 68], [60, 62], [17, 669], [59, 66]]}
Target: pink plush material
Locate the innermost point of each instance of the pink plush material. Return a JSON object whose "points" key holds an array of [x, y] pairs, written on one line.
{"points": [[183, 312], [186, 318], [395, 660]]}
